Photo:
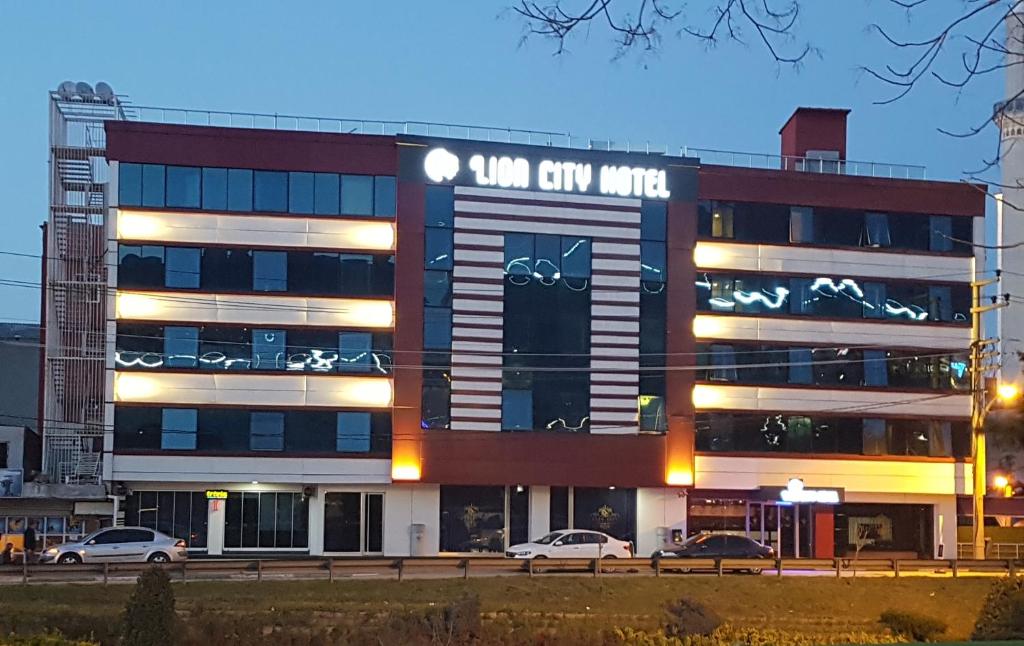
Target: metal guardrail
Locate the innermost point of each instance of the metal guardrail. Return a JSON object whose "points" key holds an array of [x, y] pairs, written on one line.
{"points": [[808, 165], [992, 550], [455, 567]]}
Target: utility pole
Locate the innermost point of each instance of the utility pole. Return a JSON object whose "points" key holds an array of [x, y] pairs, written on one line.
{"points": [[980, 355]]}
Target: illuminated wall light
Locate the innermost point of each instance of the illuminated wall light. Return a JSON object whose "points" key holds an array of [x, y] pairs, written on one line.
{"points": [[371, 235], [706, 396], [138, 226], [406, 472], [136, 306], [710, 255], [706, 326], [372, 314], [679, 477], [130, 388], [369, 392]]}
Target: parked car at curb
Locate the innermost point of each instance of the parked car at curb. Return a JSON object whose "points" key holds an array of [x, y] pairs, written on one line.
{"points": [[572, 543], [119, 545], [712, 546]]}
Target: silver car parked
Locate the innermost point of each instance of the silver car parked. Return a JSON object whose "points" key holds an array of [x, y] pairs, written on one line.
{"points": [[119, 545]]}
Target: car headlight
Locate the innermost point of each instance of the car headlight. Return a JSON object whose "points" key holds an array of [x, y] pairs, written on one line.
{"points": [[52, 551], [522, 553]]}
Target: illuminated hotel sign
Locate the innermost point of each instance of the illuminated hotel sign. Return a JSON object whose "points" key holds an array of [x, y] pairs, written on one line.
{"points": [[564, 176], [796, 493]]}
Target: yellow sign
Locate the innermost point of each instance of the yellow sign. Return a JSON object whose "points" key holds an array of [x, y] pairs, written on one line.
{"points": [[216, 495]]}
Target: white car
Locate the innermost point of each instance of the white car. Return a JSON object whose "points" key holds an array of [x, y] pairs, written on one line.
{"points": [[572, 543]]}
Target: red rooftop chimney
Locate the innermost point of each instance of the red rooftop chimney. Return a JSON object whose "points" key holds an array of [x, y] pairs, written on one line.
{"points": [[815, 132]]}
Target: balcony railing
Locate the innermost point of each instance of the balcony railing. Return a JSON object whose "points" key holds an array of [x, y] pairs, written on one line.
{"points": [[807, 164]]}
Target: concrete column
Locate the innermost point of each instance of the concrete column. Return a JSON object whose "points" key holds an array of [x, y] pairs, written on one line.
{"points": [[944, 527], [540, 511], [215, 527], [406, 505], [316, 522], [658, 511]]}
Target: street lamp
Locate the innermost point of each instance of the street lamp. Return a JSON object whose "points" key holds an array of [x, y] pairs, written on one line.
{"points": [[1004, 393]]}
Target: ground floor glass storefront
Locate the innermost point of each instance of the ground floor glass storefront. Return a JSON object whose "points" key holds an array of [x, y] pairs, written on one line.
{"points": [[893, 529], [181, 514], [266, 520], [354, 522]]}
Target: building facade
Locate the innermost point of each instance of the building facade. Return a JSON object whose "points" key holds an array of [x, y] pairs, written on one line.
{"points": [[368, 344]]}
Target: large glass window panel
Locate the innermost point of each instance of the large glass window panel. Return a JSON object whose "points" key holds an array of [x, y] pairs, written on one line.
{"points": [[312, 351], [801, 224], [283, 520], [874, 437], [940, 303], [178, 429], [373, 523], [137, 427], [268, 520], [270, 271], [435, 406], [653, 218], [320, 271], [225, 349], [140, 266], [652, 261], [963, 234], [575, 257], [517, 410], [356, 353], [356, 273], [226, 269], [239, 190], [353, 432], [801, 370], [384, 196], [438, 251], [652, 414], [440, 206], [266, 431], [183, 187], [875, 368], [547, 259], [300, 193], [268, 349], [270, 191], [909, 231], [874, 301], [437, 288], [799, 431], [802, 297], [518, 254], [129, 184], [326, 193], [357, 195], [940, 234], [472, 519], [215, 189], [437, 328], [181, 347], [341, 522], [876, 230], [612, 511], [518, 515], [723, 362], [182, 267], [152, 185]]}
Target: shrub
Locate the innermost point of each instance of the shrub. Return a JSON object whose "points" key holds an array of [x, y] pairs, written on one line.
{"points": [[730, 636], [149, 618], [457, 622], [45, 639], [920, 628], [690, 617], [1002, 614]]}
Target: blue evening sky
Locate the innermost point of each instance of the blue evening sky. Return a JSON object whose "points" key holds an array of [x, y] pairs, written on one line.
{"points": [[453, 61]]}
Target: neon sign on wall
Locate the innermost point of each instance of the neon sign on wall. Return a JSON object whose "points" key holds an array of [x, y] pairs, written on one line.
{"points": [[565, 176]]}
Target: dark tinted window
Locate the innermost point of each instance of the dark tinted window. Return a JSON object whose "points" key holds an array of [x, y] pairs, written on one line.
{"points": [[183, 186], [384, 196], [239, 190], [300, 193], [270, 271], [178, 431], [440, 206], [215, 189], [182, 267], [653, 219], [353, 432], [357, 195], [270, 191], [437, 328], [266, 432], [326, 189], [181, 346], [129, 184], [268, 350], [438, 253]]}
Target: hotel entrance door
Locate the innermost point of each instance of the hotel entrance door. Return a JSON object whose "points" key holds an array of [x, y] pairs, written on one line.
{"points": [[788, 529]]}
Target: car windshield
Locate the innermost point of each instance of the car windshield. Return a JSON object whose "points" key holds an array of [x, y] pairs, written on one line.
{"points": [[696, 540], [549, 539]]}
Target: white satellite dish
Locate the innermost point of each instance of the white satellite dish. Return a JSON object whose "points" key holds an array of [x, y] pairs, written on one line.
{"points": [[84, 90], [105, 92], [66, 90]]}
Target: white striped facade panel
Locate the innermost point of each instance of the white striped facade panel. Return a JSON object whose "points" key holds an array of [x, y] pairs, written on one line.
{"points": [[604, 389], [473, 372], [601, 264], [631, 352], [603, 405], [477, 346], [614, 378], [571, 229], [462, 358], [469, 305], [601, 248], [619, 311], [466, 414], [629, 327], [476, 426], [480, 240], [612, 296], [563, 198], [477, 333], [465, 385], [534, 211], [476, 319], [622, 366], [631, 283], [609, 339], [488, 400], [474, 255], [496, 274]]}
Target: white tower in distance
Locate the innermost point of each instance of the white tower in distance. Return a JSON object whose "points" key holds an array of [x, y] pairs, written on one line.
{"points": [[1009, 116]]}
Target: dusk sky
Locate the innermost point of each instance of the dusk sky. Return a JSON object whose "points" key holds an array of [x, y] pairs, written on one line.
{"points": [[459, 62]]}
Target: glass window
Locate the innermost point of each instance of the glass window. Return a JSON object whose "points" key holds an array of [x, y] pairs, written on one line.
{"points": [[326, 192], [181, 347], [723, 361], [225, 349], [472, 519], [226, 269], [129, 184], [300, 193], [940, 236], [270, 271], [270, 191], [384, 196], [517, 410], [268, 350], [440, 206], [437, 288], [356, 195], [215, 189], [438, 252], [182, 267], [874, 301], [518, 254], [940, 303], [876, 229], [801, 224], [183, 187], [152, 185], [239, 190], [653, 216], [874, 437], [652, 261], [353, 432], [875, 368], [801, 370], [356, 351], [178, 429], [611, 511], [547, 256], [652, 414], [575, 257], [266, 431], [437, 328], [341, 522]]}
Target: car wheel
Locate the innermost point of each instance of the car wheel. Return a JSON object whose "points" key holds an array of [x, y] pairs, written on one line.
{"points": [[609, 556], [159, 557], [755, 570], [69, 559]]}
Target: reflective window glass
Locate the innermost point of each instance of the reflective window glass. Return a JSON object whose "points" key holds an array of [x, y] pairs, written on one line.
{"points": [[215, 189], [182, 267], [356, 195], [517, 410], [129, 184], [270, 271], [875, 368], [940, 236], [547, 256], [437, 328], [268, 349], [440, 206], [181, 347], [518, 254], [437, 288], [266, 431], [326, 192], [652, 261], [653, 216], [575, 257], [801, 224], [356, 351], [438, 252], [876, 230], [353, 432], [384, 196], [300, 193], [152, 185], [270, 191], [183, 187], [239, 190], [801, 370], [178, 429]]}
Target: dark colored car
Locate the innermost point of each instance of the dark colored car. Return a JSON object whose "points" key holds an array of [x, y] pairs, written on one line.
{"points": [[714, 546]]}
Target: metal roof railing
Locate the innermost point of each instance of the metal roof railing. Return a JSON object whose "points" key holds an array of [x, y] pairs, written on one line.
{"points": [[808, 164]]}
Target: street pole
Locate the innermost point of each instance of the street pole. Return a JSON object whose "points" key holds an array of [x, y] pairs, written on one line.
{"points": [[979, 409]]}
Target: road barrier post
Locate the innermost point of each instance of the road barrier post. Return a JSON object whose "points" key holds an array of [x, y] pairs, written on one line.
{"points": [[106, 572], [24, 570], [330, 570], [184, 577], [778, 567], [1011, 567], [896, 568], [597, 567], [657, 568], [259, 570], [465, 568], [529, 567], [401, 567], [718, 566], [839, 567], [956, 567]]}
